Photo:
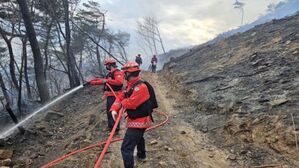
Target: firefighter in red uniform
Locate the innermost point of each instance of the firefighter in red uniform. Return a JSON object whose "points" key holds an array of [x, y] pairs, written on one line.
{"points": [[135, 99], [115, 79]]}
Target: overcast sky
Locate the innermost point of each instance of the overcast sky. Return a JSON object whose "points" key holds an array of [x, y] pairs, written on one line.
{"points": [[182, 22]]}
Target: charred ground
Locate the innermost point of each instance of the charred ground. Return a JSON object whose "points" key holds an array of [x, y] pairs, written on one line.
{"points": [[244, 91]]}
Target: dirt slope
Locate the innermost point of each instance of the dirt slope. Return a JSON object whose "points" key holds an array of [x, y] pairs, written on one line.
{"points": [[179, 144], [75, 122], [80, 121], [243, 91]]}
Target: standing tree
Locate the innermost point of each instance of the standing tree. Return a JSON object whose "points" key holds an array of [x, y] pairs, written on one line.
{"points": [[149, 33], [4, 90], [73, 41], [92, 20], [2, 83], [11, 56], [71, 61], [38, 60], [7, 30], [240, 5]]}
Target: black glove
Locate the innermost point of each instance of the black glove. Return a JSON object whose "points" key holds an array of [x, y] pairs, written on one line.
{"points": [[86, 84]]}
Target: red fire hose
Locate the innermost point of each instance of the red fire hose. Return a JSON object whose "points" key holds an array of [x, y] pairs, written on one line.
{"points": [[108, 141]]}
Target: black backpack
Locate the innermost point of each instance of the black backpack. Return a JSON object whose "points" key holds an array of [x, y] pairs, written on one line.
{"points": [[152, 100], [152, 93]]}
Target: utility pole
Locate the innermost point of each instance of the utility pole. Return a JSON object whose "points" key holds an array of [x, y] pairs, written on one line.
{"points": [[240, 5]]}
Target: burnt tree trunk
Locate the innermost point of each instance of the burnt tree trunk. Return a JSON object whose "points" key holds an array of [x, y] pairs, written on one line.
{"points": [[24, 45], [20, 84], [38, 60], [161, 41], [11, 59], [4, 90], [48, 35], [99, 60], [71, 62], [14, 118], [8, 109]]}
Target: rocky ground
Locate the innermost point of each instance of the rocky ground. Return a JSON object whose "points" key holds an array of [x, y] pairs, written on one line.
{"points": [[244, 92]]}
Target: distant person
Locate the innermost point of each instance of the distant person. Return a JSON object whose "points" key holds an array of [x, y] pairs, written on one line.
{"points": [[138, 59], [115, 79], [154, 62]]}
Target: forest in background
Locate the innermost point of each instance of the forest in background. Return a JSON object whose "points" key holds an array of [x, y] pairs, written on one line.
{"points": [[50, 46]]}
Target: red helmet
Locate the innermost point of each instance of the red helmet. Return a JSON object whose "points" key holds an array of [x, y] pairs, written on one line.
{"points": [[131, 66], [109, 61]]}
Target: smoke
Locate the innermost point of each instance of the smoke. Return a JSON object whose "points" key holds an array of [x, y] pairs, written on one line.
{"points": [[164, 58], [281, 10], [275, 11]]}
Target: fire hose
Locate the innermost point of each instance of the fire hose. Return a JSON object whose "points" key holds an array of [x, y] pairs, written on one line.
{"points": [[108, 141]]}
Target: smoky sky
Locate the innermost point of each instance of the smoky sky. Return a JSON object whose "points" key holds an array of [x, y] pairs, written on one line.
{"points": [[181, 22]]}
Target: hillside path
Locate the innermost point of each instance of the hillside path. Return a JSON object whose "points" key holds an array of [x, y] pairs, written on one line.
{"points": [[177, 144]]}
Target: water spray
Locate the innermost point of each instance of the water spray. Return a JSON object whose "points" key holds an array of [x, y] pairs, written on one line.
{"points": [[46, 106]]}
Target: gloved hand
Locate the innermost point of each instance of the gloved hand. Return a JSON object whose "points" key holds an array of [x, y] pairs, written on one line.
{"points": [[86, 84], [114, 114], [99, 81]]}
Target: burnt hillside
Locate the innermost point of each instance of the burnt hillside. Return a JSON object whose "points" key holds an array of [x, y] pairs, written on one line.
{"points": [[244, 89]]}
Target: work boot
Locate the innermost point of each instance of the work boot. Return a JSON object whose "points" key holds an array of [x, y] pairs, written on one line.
{"points": [[141, 160]]}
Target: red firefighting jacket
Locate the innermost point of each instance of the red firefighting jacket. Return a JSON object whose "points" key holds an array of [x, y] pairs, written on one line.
{"points": [[139, 96], [115, 82]]}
